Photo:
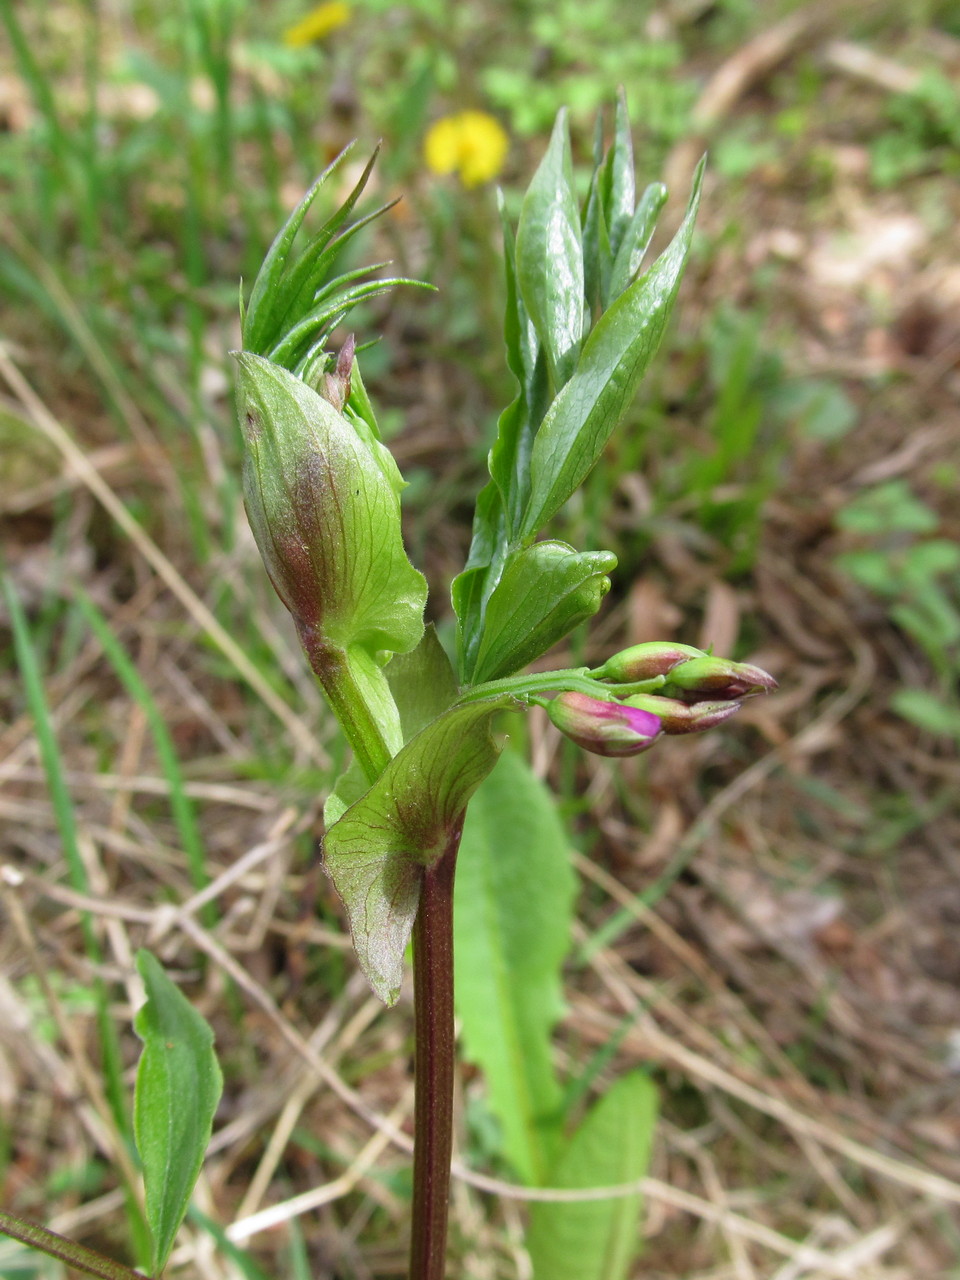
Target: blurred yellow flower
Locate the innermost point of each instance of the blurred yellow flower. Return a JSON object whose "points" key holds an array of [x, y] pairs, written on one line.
{"points": [[319, 22], [471, 144]]}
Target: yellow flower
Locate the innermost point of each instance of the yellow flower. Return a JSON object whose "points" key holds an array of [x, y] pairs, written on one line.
{"points": [[319, 22], [471, 144]]}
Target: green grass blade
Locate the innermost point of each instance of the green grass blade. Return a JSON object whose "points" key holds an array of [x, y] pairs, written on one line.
{"points": [[65, 816], [181, 805], [242, 1260]]}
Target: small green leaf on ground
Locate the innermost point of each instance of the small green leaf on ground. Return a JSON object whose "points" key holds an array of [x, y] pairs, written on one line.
{"points": [[597, 1239], [178, 1088]]}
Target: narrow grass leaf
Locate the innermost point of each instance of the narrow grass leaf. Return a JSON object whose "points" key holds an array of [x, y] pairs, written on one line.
{"points": [[513, 906], [178, 1087], [242, 1260], [181, 806], [111, 1064], [927, 711], [267, 297], [597, 1239], [53, 1246]]}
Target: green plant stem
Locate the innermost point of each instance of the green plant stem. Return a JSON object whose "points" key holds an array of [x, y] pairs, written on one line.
{"points": [[74, 1255], [332, 667], [574, 679], [434, 1065]]}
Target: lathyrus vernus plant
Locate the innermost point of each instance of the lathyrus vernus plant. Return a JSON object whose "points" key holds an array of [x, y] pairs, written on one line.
{"points": [[583, 321]]}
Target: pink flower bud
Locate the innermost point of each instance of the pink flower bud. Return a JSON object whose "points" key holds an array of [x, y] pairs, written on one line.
{"points": [[684, 717], [718, 678], [646, 661], [605, 728]]}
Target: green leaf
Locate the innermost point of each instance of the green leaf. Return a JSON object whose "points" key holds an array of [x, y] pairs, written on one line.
{"points": [[325, 517], [617, 180], [267, 296], [597, 253], [422, 683], [510, 455], [597, 1239], [472, 588], [614, 359], [550, 256], [927, 711], [545, 591], [635, 241], [926, 560], [888, 508], [513, 907], [377, 851], [177, 1091]]}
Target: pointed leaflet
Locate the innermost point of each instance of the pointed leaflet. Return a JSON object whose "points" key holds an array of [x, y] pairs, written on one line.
{"points": [[375, 854], [510, 456], [472, 588], [513, 909], [500, 504], [614, 359], [178, 1088], [550, 256], [325, 517], [617, 180], [597, 1239], [597, 253], [545, 591], [635, 242]]}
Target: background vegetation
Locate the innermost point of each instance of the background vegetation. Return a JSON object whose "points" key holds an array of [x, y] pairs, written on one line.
{"points": [[767, 918]]}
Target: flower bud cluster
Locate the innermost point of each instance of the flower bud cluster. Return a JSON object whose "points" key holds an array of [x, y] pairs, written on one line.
{"points": [[688, 691]]}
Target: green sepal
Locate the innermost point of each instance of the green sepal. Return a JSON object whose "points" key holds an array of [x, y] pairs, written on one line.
{"points": [[545, 591], [614, 359], [377, 851], [550, 256], [325, 517]]}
